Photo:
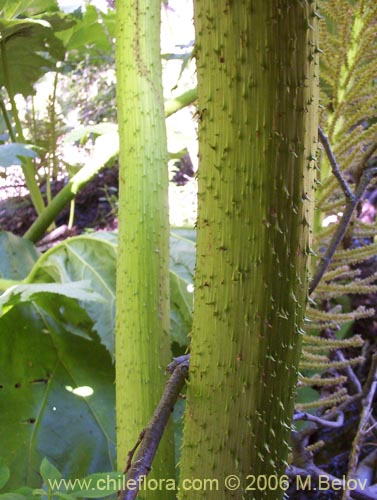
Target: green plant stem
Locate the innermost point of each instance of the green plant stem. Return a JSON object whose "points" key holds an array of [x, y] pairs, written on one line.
{"points": [[180, 102], [142, 291], [257, 109], [70, 190], [27, 166]]}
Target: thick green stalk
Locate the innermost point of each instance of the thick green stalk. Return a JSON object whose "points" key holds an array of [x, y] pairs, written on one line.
{"points": [[142, 318], [257, 91]]}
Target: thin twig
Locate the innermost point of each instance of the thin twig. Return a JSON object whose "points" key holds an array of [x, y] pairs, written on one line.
{"points": [[334, 165], [152, 434], [368, 392], [318, 420], [342, 227], [352, 378]]}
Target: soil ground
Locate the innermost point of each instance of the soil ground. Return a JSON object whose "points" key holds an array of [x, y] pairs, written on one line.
{"points": [[95, 207]]}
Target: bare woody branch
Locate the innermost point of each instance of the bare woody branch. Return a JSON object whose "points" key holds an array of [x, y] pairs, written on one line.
{"points": [[150, 437], [334, 165], [320, 421]]}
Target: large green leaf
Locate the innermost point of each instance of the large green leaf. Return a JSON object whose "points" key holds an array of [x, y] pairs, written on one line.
{"points": [[17, 256], [91, 258], [42, 412], [29, 46]]}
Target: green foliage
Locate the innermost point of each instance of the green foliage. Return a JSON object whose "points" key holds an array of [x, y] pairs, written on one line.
{"points": [[92, 258], [45, 131], [40, 294], [63, 330], [29, 45], [83, 133], [93, 31], [56, 330]]}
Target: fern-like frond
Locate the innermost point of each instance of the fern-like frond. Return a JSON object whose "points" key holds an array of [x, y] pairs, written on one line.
{"points": [[348, 115], [330, 344], [333, 400], [336, 319], [354, 255], [356, 137], [320, 381], [327, 365], [308, 356], [363, 229], [317, 326], [341, 272], [353, 288]]}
